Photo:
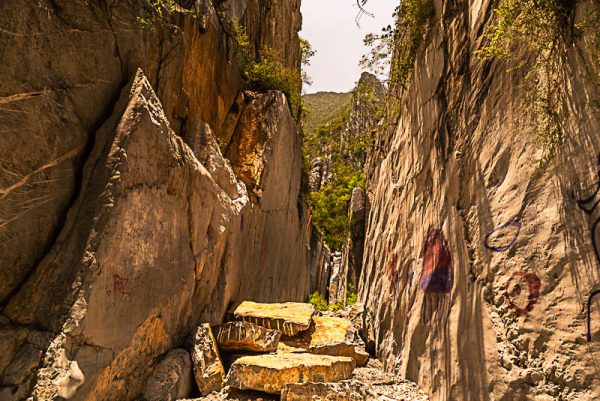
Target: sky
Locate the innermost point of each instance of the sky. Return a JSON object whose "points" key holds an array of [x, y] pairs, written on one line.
{"points": [[330, 27]]}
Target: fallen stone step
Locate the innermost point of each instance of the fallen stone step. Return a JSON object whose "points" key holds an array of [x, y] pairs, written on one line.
{"points": [[290, 318], [271, 372], [338, 337], [246, 336], [208, 368]]}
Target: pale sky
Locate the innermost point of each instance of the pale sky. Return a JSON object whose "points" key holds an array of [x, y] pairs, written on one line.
{"points": [[330, 27]]}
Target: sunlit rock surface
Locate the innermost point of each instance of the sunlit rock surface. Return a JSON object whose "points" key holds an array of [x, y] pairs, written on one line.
{"points": [[290, 318]]}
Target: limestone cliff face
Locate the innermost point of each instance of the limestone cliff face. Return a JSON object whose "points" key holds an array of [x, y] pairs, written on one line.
{"points": [[478, 262], [122, 224]]}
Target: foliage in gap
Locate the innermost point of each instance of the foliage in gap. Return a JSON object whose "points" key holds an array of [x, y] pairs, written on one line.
{"points": [[345, 140], [544, 28], [329, 205], [351, 296], [321, 304]]}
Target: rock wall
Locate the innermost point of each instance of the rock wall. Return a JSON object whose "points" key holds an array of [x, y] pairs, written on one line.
{"points": [[479, 260], [123, 226]]}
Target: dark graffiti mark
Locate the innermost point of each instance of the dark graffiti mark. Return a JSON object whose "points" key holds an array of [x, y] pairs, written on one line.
{"points": [[520, 301], [503, 237], [393, 270], [410, 273], [120, 285], [589, 314], [437, 275], [589, 205]]}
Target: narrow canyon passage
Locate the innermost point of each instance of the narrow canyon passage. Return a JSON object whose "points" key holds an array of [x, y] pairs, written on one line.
{"points": [[243, 200]]}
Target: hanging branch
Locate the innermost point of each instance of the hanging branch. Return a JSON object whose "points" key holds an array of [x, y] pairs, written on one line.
{"points": [[362, 10]]}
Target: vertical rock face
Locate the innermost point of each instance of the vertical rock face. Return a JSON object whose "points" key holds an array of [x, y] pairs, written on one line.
{"points": [[132, 226], [352, 252], [478, 260]]}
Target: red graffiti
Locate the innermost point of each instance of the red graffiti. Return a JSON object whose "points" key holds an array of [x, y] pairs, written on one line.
{"points": [[393, 270], [120, 285], [437, 275], [520, 301]]}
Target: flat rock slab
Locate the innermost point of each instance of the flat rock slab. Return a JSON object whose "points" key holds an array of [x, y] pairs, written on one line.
{"points": [[246, 336], [337, 336], [290, 318], [208, 368], [271, 372]]}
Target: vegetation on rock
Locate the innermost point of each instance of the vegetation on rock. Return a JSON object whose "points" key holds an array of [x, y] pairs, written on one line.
{"points": [[266, 71], [394, 50], [544, 28]]}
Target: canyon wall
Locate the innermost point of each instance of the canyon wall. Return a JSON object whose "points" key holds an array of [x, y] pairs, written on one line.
{"points": [[480, 258], [123, 224]]}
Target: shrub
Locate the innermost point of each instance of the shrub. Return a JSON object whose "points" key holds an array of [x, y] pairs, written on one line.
{"points": [[268, 72], [318, 301]]}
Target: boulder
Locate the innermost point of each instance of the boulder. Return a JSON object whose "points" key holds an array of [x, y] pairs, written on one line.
{"points": [[208, 368], [337, 336], [270, 373], [246, 336], [171, 379], [290, 318]]}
